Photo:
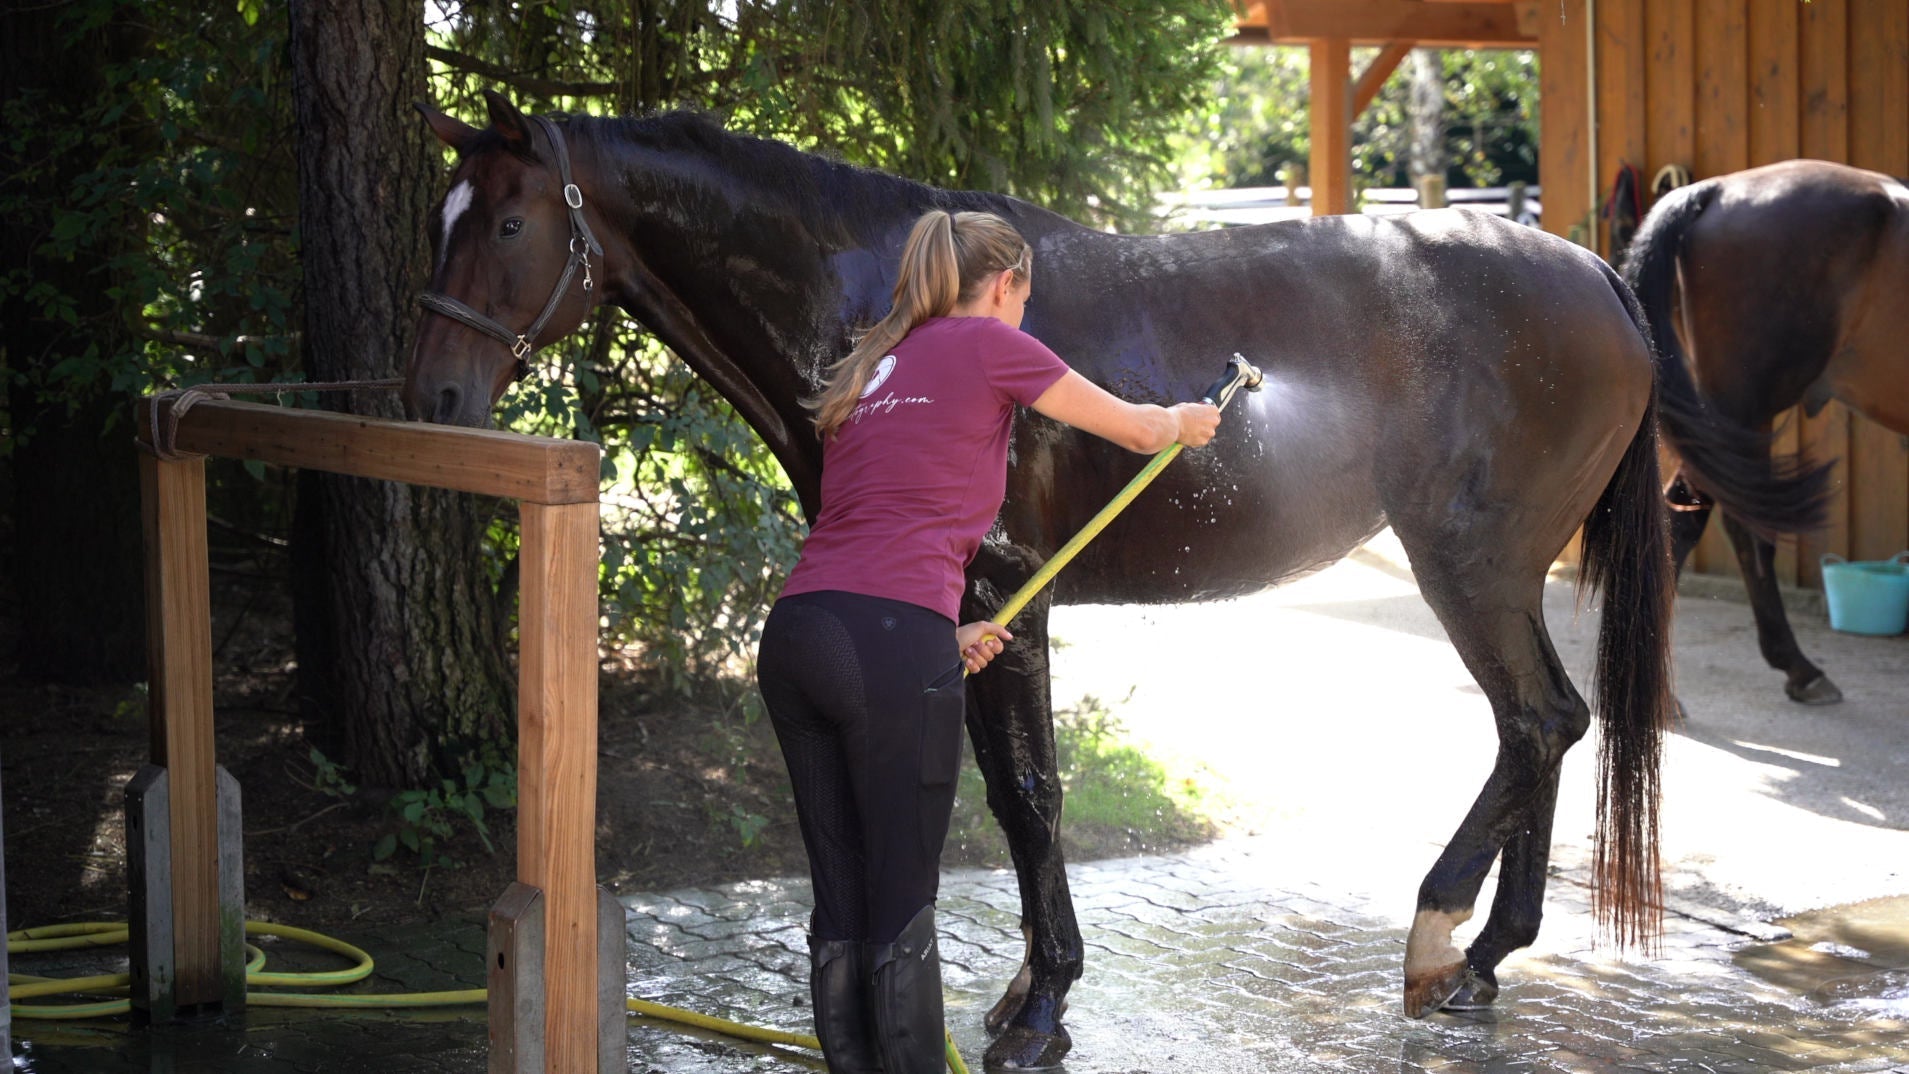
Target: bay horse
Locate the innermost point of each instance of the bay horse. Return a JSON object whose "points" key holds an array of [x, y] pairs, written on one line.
{"points": [[1769, 288], [1481, 387]]}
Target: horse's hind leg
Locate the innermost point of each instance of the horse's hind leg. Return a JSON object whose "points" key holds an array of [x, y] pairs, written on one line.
{"points": [[1010, 722], [1496, 621], [1756, 560], [1756, 557]]}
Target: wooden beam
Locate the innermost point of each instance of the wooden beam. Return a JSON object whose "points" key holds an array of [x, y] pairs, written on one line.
{"points": [[1376, 72], [534, 469], [1775, 36], [1564, 168], [1331, 163], [556, 768], [1878, 461], [1453, 25], [179, 705], [1823, 71]]}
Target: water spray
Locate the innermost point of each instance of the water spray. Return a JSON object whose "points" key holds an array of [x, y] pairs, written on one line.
{"points": [[1240, 373]]}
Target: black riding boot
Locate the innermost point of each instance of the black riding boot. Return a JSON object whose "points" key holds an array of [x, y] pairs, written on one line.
{"points": [[838, 986], [907, 988]]}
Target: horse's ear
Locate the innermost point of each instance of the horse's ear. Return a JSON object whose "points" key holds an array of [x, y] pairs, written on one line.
{"points": [[509, 121], [452, 132]]}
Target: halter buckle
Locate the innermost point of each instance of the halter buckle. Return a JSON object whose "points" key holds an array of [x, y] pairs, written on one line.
{"points": [[572, 196], [520, 350]]}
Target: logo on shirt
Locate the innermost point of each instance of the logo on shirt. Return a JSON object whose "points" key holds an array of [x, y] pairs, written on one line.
{"points": [[882, 370]]}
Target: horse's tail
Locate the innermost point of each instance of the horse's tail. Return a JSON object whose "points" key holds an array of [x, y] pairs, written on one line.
{"points": [[1627, 562], [1722, 459]]}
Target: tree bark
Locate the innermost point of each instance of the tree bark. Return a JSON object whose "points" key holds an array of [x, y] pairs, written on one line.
{"points": [[1427, 159], [396, 618], [75, 562]]}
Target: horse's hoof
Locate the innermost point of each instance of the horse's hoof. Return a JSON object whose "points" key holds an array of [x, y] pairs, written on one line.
{"points": [[1817, 691], [1428, 991], [1003, 1010], [1021, 1048], [1475, 993]]}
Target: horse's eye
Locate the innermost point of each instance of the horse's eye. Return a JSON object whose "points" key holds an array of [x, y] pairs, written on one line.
{"points": [[510, 228]]}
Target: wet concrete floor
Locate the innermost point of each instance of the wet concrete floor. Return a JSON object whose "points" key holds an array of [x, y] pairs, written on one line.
{"points": [[1209, 961], [1342, 759]]}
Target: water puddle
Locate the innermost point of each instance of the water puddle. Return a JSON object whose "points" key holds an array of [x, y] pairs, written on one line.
{"points": [[1853, 959]]}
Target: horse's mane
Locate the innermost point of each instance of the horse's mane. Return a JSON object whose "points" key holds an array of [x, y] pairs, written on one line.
{"points": [[826, 192]]}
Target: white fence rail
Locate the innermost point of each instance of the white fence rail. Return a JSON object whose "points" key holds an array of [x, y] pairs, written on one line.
{"points": [[1266, 204]]}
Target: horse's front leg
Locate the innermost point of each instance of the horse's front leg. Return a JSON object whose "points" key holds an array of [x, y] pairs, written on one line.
{"points": [[1010, 721]]}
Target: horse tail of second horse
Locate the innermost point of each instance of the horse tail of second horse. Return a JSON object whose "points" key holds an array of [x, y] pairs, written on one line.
{"points": [[1721, 458], [1627, 562]]}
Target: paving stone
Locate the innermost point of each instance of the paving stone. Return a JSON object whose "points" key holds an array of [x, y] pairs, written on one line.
{"points": [[1199, 962]]}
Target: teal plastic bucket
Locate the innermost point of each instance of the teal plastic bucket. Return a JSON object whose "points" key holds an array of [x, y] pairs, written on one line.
{"points": [[1867, 596]]}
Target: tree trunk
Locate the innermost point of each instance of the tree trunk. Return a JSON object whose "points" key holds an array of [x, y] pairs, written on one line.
{"points": [[76, 565], [397, 636], [1427, 160]]}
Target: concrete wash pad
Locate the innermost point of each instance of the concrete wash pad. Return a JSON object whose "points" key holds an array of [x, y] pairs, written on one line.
{"points": [[1335, 734]]}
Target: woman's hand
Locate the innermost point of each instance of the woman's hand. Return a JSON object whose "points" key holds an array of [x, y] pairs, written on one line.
{"points": [[980, 643], [1143, 427], [1197, 422]]}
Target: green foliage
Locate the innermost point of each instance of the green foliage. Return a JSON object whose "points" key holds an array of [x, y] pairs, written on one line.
{"points": [[1070, 105], [328, 777], [1490, 122], [1256, 124], [429, 818], [1112, 783], [177, 185], [748, 825], [179, 181]]}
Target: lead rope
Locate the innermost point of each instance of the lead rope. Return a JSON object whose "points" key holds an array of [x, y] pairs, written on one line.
{"points": [[165, 433]]}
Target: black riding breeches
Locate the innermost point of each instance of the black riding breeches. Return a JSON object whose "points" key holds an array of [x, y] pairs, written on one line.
{"points": [[867, 700]]}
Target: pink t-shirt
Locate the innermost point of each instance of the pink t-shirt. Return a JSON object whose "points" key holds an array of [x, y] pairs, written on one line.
{"points": [[913, 479]]}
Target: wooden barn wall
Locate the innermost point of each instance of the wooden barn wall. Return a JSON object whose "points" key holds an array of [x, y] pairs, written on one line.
{"points": [[1718, 86]]}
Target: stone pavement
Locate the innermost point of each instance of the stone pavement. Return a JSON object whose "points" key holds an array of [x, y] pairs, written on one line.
{"points": [[1215, 960], [1348, 749]]}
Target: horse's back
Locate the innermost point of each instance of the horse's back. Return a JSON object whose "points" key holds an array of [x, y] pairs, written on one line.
{"points": [[1439, 370]]}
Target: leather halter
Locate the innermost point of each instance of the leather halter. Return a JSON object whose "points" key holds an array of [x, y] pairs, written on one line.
{"points": [[583, 243]]}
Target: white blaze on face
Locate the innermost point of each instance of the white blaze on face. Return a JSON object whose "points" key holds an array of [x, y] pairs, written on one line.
{"points": [[458, 200]]}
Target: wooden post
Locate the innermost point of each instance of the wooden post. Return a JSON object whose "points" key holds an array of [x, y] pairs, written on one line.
{"points": [[556, 771], [1331, 126], [179, 659], [1372, 79], [554, 908]]}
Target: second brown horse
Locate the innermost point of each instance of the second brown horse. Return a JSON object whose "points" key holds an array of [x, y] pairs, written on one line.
{"points": [[1776, 287]]}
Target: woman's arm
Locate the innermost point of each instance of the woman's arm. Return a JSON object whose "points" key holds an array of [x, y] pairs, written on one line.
{"points": [[1140, 427]]}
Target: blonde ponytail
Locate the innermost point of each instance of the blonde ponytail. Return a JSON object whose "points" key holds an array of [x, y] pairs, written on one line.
{"points": [[947, 259]]}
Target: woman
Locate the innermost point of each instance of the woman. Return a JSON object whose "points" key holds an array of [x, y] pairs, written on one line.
{"points": [[860, 659]]}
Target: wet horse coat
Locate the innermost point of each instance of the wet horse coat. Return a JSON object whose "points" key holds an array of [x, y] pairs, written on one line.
{"points": [[1777, 287], [1481, 387]]}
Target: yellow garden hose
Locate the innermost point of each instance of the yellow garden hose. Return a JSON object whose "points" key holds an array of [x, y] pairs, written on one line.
{"points": [[108, 933]]}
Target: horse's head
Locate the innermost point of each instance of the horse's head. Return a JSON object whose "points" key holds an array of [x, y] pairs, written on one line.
{"points": [[516, 261]]}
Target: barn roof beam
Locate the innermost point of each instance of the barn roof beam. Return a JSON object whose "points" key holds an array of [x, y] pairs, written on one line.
{"points": [[1432, 23], [1376, 72]]}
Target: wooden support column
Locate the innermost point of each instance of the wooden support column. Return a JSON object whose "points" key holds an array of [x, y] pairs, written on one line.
{"points": [[1331, 163], [1824, 91], [179, 658], [554, 910], [1373, 77], [556, 771]]}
